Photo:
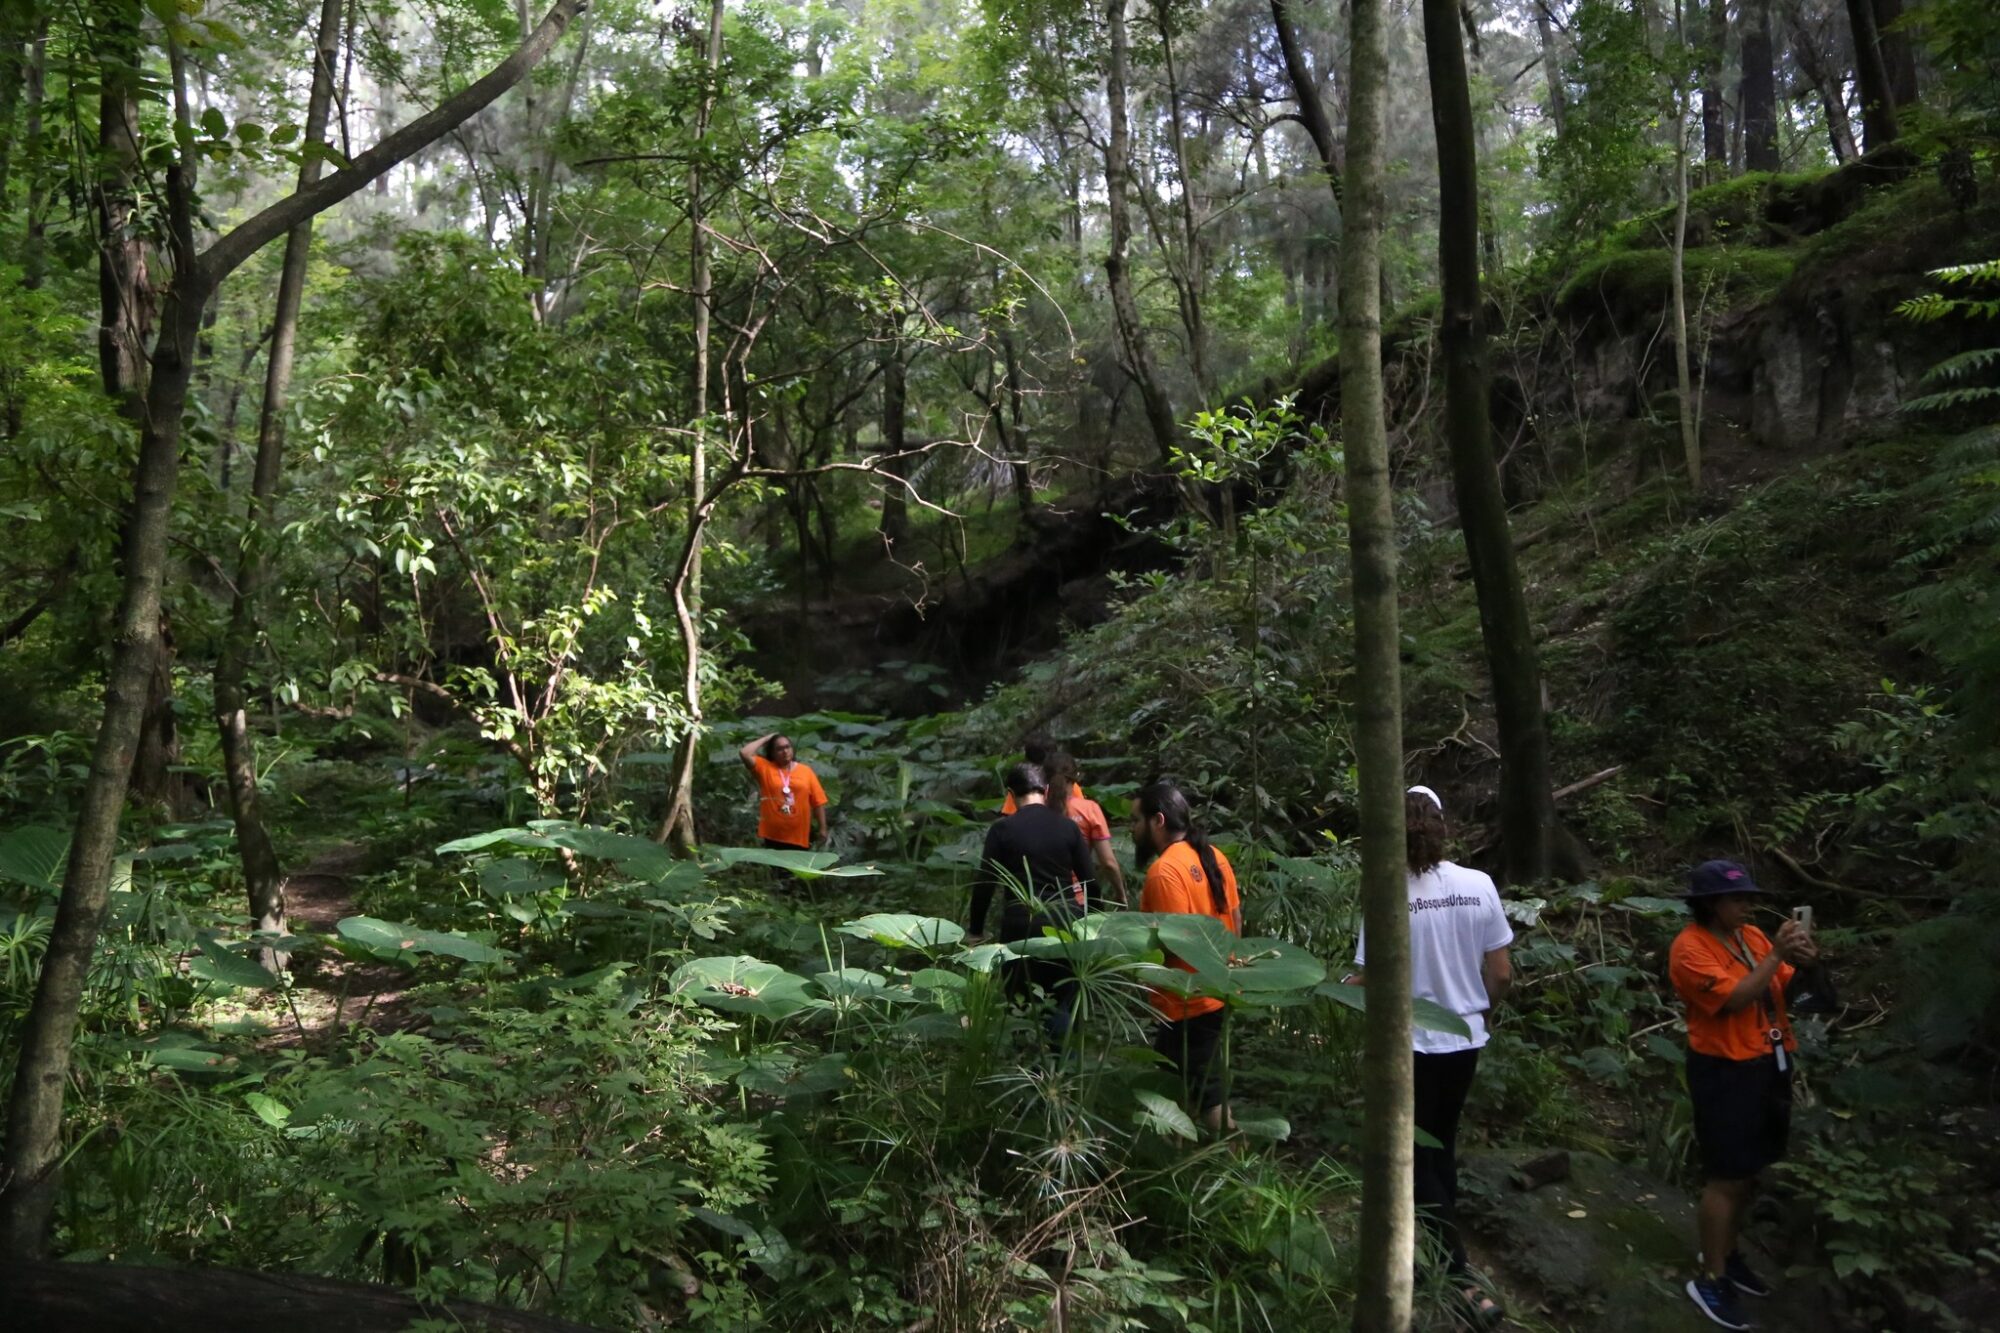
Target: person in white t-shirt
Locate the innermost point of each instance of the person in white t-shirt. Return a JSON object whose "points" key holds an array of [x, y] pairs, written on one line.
{"points": [[1458, 960]]}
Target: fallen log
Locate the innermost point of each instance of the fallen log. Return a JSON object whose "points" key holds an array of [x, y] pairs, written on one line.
{"points": [[117, 1298]]}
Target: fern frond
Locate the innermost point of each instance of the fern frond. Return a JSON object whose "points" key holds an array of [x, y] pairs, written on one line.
{"points": [[1950, 398], [1985, 271], [1925, 309], [1965, 362]]}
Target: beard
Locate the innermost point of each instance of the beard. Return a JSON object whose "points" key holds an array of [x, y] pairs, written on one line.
{"points": [[1144, 849]]}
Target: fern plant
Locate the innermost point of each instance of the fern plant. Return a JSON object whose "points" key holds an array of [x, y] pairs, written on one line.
{"points": [[1970, 294]]}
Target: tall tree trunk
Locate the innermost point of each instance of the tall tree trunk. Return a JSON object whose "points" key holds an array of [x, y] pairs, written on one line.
{"points": [[1527, 813], [1305, 92], [33, 1150], [1194, 266], [895, 413], [1024, 482], [1551, 66], [1714, 111], [677, 827], [16, 19], [1388, 1218], [263, 876], [1899, 59], [32, 249], [1117, 184], [1683, 374], [125, 295], [1760, 89], [1871, 77]]}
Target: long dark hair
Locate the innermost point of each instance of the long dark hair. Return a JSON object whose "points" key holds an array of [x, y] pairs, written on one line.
{"points": [[1165, 799], [1061, 769], [1424, 832]]}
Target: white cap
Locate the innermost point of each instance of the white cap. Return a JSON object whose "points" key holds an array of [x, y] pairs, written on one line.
{"points": [[1426, 791]]}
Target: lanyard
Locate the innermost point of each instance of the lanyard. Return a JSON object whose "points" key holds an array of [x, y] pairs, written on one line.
{"points": [[1741, 953]]}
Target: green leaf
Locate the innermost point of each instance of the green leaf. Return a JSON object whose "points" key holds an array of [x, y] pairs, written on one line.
{"points": [[230, 969], [513, 876], [903, 930], [478, 842], [984, 957], [852, 983], [1165, 1115], [34, 856], [743, 985], [1200, 941], [385, 937], [269, 1109], [1275, 965], [1425, 1014], [806, 865], [1273, 1128], [192, 1059], [1653, 906]]}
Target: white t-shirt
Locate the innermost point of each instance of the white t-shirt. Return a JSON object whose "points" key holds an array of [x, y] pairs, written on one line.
{"points": [[1455, 920]]}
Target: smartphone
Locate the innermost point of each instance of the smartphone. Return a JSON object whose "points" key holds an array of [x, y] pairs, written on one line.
{"points": [[1803, 915]]}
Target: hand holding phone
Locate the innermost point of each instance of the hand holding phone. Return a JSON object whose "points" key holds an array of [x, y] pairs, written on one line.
{"points": [[1803, 915]]}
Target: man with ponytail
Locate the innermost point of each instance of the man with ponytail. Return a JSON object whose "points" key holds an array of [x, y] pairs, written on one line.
{"points": [[1458, 960], [1187, 875]]}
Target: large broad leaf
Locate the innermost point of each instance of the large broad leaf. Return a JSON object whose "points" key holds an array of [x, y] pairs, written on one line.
{"points": [[514, 876], [902, 930], [852, 983], [1270, 966], [231, 969], [806, 865], [1423, 1013], [189, 1058], [1202, 942], [34, 856], [743, 985], [1653, 906], [1165, 1115], [640, 858], [1272, 1128], [984, 957], [387, 937], [479, 842]]}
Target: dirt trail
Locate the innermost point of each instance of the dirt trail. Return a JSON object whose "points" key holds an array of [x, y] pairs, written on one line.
{"points": [[331, 990]]}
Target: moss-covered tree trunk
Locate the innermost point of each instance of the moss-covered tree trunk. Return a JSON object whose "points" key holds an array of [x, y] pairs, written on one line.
{"points": [[1871, 78], [1388, 1217]]}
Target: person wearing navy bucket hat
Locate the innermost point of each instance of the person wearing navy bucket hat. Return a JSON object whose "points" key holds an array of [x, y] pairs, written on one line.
{"points": [[1732, 978]]}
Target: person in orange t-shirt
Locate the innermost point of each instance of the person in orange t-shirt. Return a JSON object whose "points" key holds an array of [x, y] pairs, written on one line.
{"points": [[789, 797], [1732, 978], [1088, 816], [1186, 875]]}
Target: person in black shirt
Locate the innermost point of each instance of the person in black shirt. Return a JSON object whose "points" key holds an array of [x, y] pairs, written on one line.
{"points": [[1037, 858]]}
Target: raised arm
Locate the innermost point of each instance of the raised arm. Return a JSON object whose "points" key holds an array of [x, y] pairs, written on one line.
{"points": [[748, 753]]}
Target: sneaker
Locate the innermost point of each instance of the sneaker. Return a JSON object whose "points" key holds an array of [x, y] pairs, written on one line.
{"points": [[1715, 1298], [1744, 1278]]}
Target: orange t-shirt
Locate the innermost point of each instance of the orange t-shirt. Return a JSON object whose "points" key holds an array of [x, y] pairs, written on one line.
{"points": [[1007, 807], [1705, 971], [1175, 883], [1088, 816], [786, 801]]}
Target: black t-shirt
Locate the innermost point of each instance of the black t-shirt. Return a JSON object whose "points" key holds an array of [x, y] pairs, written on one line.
{"points": [[1038, 846]]}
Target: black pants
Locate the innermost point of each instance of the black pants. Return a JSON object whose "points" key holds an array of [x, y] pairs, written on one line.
{"points": [[1190, 1045], [1442, 1083], [1022, 976]]}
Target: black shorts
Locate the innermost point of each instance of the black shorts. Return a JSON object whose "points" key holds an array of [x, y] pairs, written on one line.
{"points": [[1742, 1113], [772, 844], [1189, 1045]]}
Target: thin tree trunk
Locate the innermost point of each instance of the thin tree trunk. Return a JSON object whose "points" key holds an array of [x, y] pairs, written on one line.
{"points": [[1124, 308], [263, 875], [1760, 89], [1388, 1220], [677, 827], [15, 18], [1551, 66], [1024, 482], [1871, 77], [1194, 266], [1683, 375], [1526, 811], [32, 249], [33, 1150], [1312, 113], [895, 413], [1714, 111]]}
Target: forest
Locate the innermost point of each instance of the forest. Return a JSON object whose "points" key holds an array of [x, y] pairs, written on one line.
{"points": [[468, 461]]}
